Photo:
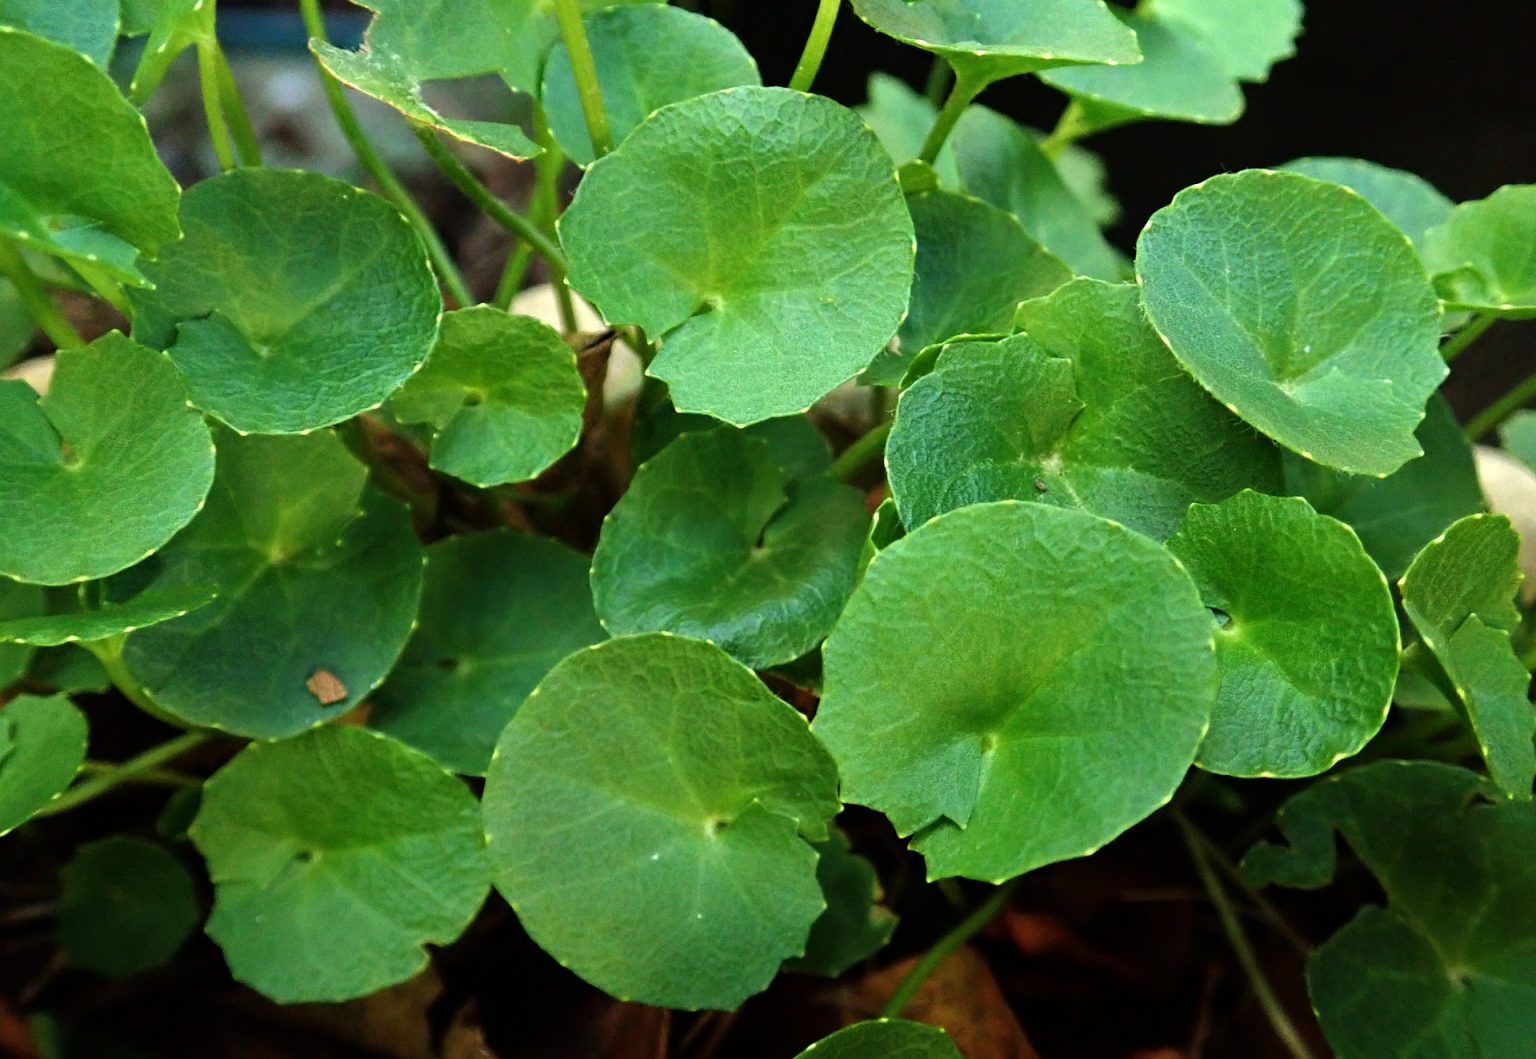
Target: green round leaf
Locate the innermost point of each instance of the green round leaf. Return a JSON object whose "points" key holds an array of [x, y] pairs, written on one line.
{"points": [[1408, 201], [853, 927], [714, 541], [260, 304], [498, 610], [68, 669], [1482, 256], [793, 441], [127, 906], [722, 226], [1460, 596], [1302, 308], [101, 214], [987, 40], [1246, 36], [88, 26], [317, 582], [335, 857], [1306, 638], [647, 56], [503, 394], [649, 810], [1015, 684], [42, 745], [102, 470], [18, 602], [1445, 968], [81, 625], [885, 1039], [1178, 78], [1117, 430]]}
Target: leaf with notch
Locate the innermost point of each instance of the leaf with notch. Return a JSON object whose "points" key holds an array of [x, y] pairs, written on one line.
{"points": [[680, 791], [854, 926], [1302, 309], [498, 610], [103, 214], [722, 227], [336, 857], [259, 305], [1246, 36], [503, 394], [713, 540], [1307, 644], [885, 1039], [1408, 201], [87, 26], [312, 572], [1482, 257], [1015, 684], [42, 746], [127, 905], [101, 471]]}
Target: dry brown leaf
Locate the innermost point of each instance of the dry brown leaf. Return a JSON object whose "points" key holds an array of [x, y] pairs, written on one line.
{"points": [[962, 996]]}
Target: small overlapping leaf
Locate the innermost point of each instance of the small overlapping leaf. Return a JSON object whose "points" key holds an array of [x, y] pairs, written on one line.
{"points": [[18, 602], [1445, 969], [88, 26], [498, 610], [987, 40], [885, 1039], [647, 56], [1306, 638], [713, 540], [1408, 201], [901, 118], [1246, 36], [335, 857], [317, 581], [68, 669], [259, 305], [1117, 430], [1460, 595], [102, 470], [794, 443], [101, 215], [503, 394], [1302, 308], [127, 906], [42, 745], [1179, 78], [1481, 255], [1023, 704], [1398, 515], [642, 804], [854, 926], [722, 227]]}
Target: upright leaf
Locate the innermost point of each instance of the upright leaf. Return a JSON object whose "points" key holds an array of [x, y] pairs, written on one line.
{"points": [[713, 540], [101, 471], [683, 795], [52, 99], [1247, 36], [1015, 684], [335, 857], [42, 746], [259, 305], [88, 26], [1481, 255], [1408, 201], [884, 1039], [128, 904], [1306, 636], [1460, 595], [722, 226], [1300, 307]]}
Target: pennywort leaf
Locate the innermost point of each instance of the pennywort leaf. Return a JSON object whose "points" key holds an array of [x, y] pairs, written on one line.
{"points": [[81, 624], [18, 602], [128, 904], [1408, 201], [1481, 255], [88, 26], [42, 745], [853, 926], [884, 1039], [1247, 36]]}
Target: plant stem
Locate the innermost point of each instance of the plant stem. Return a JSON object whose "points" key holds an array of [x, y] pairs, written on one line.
{"points": [[584, 68], [44, 311], [1474, 330], [966, 89], [134, 768], [104, 285], [1070, 128], [1233, 928], [1267, 911], [864, 449], [213, 106], [234, 107], [1501, 409], [958, 936], [815, 46], [383, 176], [940, 75], [153, 778]]}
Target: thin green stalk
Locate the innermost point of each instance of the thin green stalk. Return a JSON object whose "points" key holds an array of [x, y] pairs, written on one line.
{"points": [[815, 46], [940, 76], [964, 92], [584, 68], [234, 108], [133, 769], [1502, 409], [1475, 329], [153, 778], [1268, 912], [213, 106], [44, 311], [855, 456], [513, 275], [958, 936], [110, 290], [1070, 128], [1232, 926], [383, 176]]}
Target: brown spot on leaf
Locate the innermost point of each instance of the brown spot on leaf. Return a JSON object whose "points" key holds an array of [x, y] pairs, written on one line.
{"points": [[326, 687]]}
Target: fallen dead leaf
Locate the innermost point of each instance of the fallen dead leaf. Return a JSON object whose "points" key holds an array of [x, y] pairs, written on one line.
{"points": [[962, 996]]}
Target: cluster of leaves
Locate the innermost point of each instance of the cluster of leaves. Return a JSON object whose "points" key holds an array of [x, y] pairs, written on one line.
{"points": [[1143, 516]]}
